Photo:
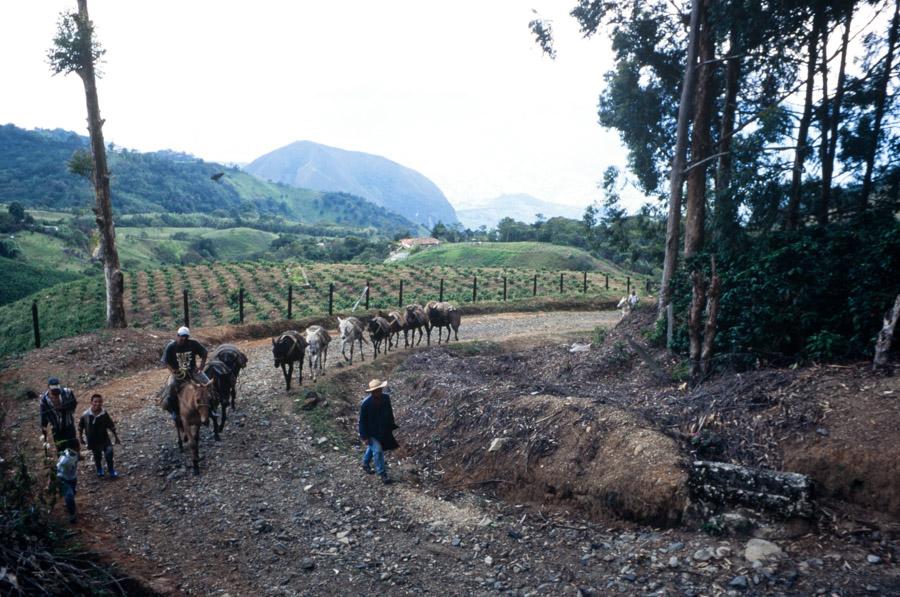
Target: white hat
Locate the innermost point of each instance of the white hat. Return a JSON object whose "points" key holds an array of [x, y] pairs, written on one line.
{"points": [[183, 331]]}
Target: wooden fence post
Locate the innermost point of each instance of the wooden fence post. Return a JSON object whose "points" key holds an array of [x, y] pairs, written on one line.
{"points": [[504, 288], [534, 286], [628, 287], [367, 295], [290, 301], [607, 280], [34, 322], [400, 302], [584, 288], [474, 288], [187, 310], [331, 298], [241, 305], [441, 295], [648, 287], [561, 282]]}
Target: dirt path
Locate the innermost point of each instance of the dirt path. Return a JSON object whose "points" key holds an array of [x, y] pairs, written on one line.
{"points": [[280, 508], [270, 495]]}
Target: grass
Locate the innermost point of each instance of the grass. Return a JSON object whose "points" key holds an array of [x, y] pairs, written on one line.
{"points": [[139, 247], [531, 255], [48, 252]]}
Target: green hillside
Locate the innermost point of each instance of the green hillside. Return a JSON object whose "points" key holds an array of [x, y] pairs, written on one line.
{"points": [[33, 172], [153, 296], [532, 255]]}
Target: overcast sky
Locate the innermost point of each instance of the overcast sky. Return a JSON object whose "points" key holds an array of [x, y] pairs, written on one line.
{"points": [[458, 91]]}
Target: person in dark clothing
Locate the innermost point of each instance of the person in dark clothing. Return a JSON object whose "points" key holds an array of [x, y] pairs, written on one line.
{"points": [[376, 427], [58, 412], [180, 357], [96, 424]]}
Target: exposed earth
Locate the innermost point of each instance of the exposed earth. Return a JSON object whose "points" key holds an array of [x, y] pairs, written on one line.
{"points": [[525, 468]]}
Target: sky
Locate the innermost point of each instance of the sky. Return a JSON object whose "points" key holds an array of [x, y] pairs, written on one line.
{"points": [[458, 91]]}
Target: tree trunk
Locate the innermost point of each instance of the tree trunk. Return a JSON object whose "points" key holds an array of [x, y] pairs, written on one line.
{"points": [[793, 209], [115, 284], [676, 176], [712, 315], [835, 117], [725, 209], [886, 338], [701, 143], [698, 302], [880, 101], [824, 127]]}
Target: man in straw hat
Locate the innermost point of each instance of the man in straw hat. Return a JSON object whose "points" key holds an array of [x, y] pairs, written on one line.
{"points": [[376, 426]]}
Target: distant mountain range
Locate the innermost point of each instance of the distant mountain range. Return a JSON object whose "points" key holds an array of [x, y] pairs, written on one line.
{"points": [[397, 188], [520, 207], [33, 172]]}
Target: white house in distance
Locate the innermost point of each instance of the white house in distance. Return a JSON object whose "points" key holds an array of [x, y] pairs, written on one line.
{"points": [[422, 241]]}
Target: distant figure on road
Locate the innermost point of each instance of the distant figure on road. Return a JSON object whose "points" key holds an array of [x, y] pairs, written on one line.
{"points": [[96, 423], [376, 427], [58, 412], [633, 300], [67, 478], [628, 303], [180, 356]]}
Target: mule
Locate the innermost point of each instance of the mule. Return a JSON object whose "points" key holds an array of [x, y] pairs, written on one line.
{"points": [[317, 340], [379, 331], [351, 331], [193, 411], [222, 382], [397, 325], [287, 349], [236, 360], [440, 316], [416, 321]]}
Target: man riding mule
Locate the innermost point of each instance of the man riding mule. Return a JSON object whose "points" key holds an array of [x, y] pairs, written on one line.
{"points": [[180, 357]]}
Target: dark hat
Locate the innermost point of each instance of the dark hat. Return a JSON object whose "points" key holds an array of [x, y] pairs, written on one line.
{"points": [[53, 383]]}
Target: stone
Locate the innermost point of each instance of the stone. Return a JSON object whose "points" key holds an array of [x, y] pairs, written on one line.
{"points": [[498, 443], [308, 564], [702, 555], [760, 549], [673, 562], [873, 559], [739, 582], [723, 551], [488, 560]]}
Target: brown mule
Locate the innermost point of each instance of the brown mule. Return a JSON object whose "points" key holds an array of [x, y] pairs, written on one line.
{"points": [[193, 410]]}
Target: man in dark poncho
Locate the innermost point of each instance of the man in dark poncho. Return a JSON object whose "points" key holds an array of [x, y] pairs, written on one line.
{"points": [[376, 426]]}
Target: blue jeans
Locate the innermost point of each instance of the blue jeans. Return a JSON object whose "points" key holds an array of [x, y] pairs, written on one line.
{"points": [[374, 451], [68, 489]]}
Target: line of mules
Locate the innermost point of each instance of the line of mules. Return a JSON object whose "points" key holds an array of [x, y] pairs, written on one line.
{"points": [[383, 332], [198, 403]]}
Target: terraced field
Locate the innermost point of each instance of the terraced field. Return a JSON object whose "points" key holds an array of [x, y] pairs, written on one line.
{"points": [[154, 297]]}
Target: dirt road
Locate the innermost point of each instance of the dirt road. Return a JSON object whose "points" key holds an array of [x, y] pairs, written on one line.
{"points": [[281, 506]]}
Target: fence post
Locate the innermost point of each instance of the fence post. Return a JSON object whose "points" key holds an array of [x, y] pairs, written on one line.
{"points": [[561, 282], [534, 286], [400, 302], [628, 287], [241, 305], [504, 288], [331, 298], [187, 310], [441, 296], [34, 322], [367, 295], [648, 287], [290, 300], [607, 280], [584, 288], [474, 288]]}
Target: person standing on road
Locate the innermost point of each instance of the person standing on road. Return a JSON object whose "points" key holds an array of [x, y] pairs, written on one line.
{"points": [[96, 423], [376, 427], [58, 412], [180, 356]]}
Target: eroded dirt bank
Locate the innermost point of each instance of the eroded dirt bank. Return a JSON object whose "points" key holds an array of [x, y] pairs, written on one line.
{"points": [[281, 506]]}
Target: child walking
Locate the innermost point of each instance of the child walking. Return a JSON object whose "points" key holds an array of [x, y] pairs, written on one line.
{"points": [[96, 424], [67, 478]]}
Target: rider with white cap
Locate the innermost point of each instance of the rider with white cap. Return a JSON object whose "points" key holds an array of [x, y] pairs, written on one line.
{"points": [[180, 356]]}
